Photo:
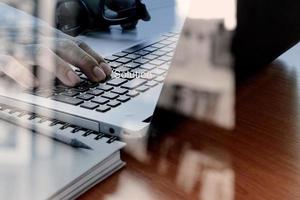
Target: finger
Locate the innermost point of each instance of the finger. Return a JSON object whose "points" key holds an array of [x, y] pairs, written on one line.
{"points": [[83, 46], [70, 52], [106, 68], [57, 66], [52, 65], [18, 72]]}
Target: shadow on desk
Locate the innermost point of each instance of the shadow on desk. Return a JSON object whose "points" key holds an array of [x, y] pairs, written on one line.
{"points": [[260, 159]]}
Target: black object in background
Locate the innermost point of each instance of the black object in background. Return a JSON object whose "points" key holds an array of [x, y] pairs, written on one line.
{"points": [[76, 16], [265, 30]]}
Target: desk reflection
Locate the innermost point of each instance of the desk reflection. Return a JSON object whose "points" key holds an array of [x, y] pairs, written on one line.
{"points": [[171, 167]]}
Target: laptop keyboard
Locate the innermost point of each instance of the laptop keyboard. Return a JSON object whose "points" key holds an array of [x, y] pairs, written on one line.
{"points": [[135, 71]]}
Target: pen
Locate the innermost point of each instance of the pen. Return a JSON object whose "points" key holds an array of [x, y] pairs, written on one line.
{"points": [[69, 141]]}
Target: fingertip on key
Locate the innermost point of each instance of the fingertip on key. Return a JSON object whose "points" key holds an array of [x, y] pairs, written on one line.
{"points": [[98, 73], [106, 68], [73, 78]]}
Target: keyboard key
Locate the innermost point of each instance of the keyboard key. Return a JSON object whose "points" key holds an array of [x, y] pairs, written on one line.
{"points": [[158, 45], [165, 58], [167, 49], [157, 62], [171, 54], [85, 97], [170, 34], [138, 71], [128, 76], [132, 93], [142, 53], [70, 93], [151, 83], [121, 69], [111, 58], [103, 108], [114, 103], [157, 72], [114, 64], [95, 92], [173, 45], [100, 100], [90, 84], [160, 79], [162, 38], [136, 48], [150, 57], [131, 50], [123, 99], [119, 91], [133, 56], [148, 76], [84, 86], [89, 105], [110, 96], [105, 87], [148, 66], [142, 88], [141, 61], [123, 60], [68, 100], [81, 88], [164, 66], [159, 53], [120, 54], [58, 88], [132, 65], [133, 83], [150, 49], [173, 39], [165, 42], [116, 82]]}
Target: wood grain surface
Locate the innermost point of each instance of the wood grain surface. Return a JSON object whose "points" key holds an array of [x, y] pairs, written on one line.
{"points": [[263, 151]]}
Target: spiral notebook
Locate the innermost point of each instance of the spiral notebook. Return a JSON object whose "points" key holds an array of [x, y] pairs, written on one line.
{"points": [[33, 166]]}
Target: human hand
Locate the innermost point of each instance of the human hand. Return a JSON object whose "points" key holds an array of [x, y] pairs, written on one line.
{"points": [[32, 42], [53, 56]]}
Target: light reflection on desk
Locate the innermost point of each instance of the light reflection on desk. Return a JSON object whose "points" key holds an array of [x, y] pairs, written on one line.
{"points": [[205, 172]]}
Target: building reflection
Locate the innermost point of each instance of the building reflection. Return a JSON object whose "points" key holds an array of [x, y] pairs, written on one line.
{"points": [[177, 166]]}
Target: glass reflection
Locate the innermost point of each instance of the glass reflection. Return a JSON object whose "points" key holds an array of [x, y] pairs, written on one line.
{"points": [[177, 166], [32, 48]]}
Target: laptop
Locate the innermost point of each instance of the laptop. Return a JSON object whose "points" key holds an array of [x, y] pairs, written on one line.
{"points": [[123, 104]]}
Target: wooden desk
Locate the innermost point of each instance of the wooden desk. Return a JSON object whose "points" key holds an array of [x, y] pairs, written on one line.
{"points": [[263, 151]]}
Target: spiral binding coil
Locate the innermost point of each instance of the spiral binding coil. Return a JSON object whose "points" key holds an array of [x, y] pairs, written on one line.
{"points": [[55, 122]]}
